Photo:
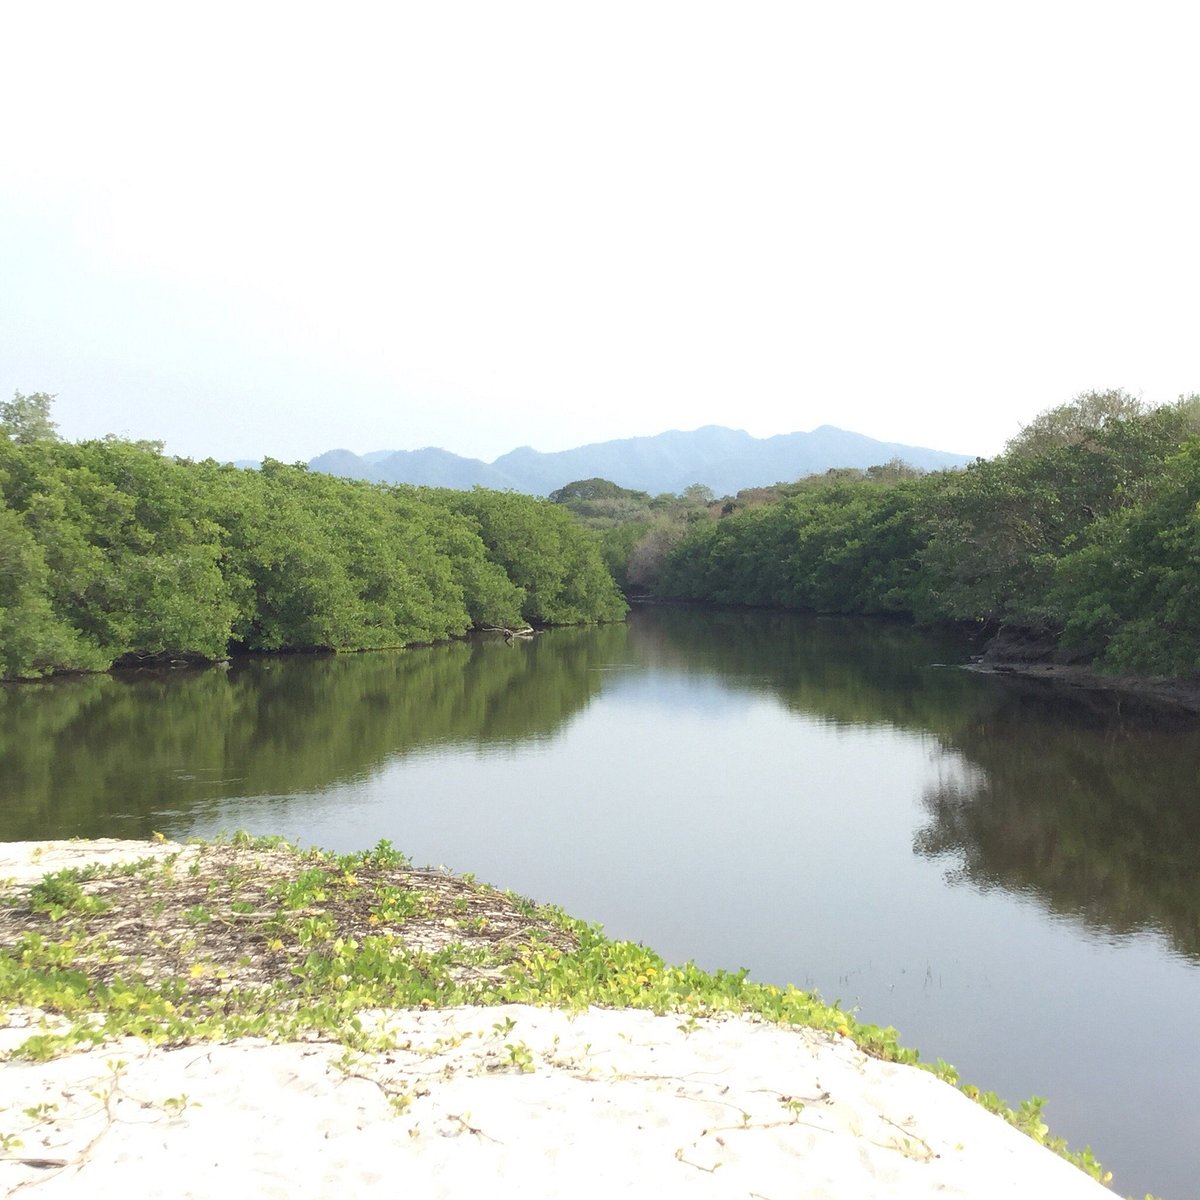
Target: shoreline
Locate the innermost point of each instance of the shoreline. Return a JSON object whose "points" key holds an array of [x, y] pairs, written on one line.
{"points": [[1153, 696], [1009, 652], [533, 1097], [1033, 655]]}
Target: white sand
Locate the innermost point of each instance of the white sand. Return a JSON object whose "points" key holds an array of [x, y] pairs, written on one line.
{"points": [[27, 862], [610, 1101]]}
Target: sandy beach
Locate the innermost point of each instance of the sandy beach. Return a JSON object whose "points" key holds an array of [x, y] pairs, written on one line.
{"points": [[515, 1100]]}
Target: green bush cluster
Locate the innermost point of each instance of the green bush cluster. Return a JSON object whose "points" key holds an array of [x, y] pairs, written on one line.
{"points": [[109, 549], [1087, 530]]}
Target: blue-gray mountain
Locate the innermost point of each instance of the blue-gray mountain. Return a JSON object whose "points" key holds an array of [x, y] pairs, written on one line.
{"points": [[727, 460]]}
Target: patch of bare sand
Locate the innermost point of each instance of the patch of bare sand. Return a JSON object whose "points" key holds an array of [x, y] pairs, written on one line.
{"points": [[513, 1101]]}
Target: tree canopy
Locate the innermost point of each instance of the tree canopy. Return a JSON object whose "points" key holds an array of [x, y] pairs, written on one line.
{"points": [[111, 551], [595, 489], [1085, 530], [1074, 422], [26, 419]]}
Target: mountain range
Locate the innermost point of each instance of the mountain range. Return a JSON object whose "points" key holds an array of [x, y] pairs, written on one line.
{"points": [[726, 460]]}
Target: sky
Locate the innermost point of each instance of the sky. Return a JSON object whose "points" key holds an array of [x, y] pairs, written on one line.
{"points": [[256, 229]]}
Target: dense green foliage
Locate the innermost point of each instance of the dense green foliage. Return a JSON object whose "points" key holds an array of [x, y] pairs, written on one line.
{"points": [[26, 419], [108, 549], [1086, 530], [556, 568], [840, 548], [1133, 585], [634, 530]]}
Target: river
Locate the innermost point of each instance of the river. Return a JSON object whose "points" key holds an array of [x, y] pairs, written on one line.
{"points": [[1005, 874]]}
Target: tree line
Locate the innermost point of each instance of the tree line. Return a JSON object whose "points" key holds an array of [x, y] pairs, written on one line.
{"points": [[111, 551], [1085, 532]]}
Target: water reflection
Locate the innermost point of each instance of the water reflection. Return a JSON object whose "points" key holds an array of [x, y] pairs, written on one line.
{"points": [[1096, 816], [79, 754], [841, 671], [1086, 803], [1094, 813], [744, 788]]}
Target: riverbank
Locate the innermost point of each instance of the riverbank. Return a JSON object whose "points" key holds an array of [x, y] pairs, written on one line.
{"points": [[302, 1022], [1025, 655], [1037, 657]]}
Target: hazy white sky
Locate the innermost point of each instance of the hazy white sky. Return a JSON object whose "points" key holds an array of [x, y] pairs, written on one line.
{"points": [[257, 228]]}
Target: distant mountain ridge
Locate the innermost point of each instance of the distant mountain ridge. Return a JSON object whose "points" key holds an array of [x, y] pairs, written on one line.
{"points": [[726, 460]]}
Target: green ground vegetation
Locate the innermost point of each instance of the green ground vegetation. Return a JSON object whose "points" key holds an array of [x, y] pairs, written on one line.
{"points": [[110, 550], [252, 937]]}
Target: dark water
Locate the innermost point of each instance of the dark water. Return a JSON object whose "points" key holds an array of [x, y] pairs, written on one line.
{"points": [[1009, 878]]}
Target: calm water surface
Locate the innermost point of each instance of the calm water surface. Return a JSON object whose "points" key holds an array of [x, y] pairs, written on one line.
{"points": [[1007, 877]]}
